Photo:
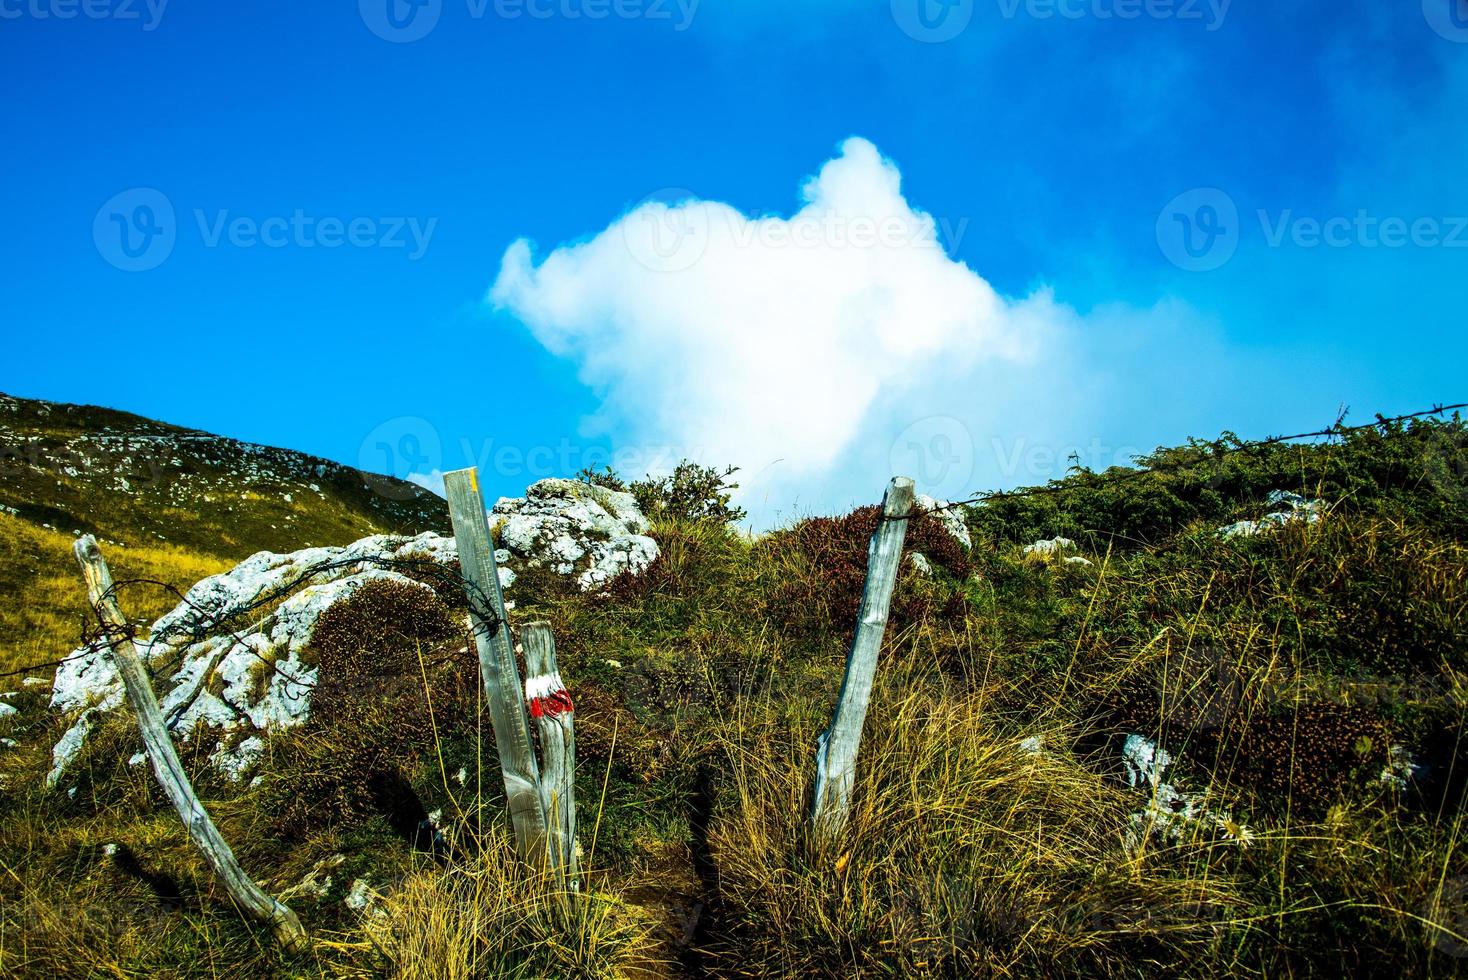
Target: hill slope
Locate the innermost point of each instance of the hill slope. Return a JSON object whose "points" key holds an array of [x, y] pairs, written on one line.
{"points": [[170, 503]]}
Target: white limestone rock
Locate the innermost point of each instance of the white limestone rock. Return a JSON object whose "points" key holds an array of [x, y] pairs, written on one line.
{"points": [[1171, 812], [950, 517], [233, 663], [1290, 508], [575, 528], [219, 677], [1050, 548]]}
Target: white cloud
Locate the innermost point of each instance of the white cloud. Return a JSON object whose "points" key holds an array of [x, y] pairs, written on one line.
{"points": [[817, 352], [432, 481]]}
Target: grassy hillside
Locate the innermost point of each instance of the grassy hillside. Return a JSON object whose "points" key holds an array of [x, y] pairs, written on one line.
{"points": [[167, 503], [994, 831]]}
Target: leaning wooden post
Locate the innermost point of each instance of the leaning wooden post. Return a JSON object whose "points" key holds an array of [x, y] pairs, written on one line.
{"points": [[550, 706], [166, 767], [497, 663], [837, 747]]}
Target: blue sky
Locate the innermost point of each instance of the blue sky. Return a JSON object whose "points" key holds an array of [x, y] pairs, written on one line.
{"points": [[318, 203]]}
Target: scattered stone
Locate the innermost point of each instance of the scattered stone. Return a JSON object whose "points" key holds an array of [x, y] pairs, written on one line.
{"points": [[7, 710], [221, 678], [317, 881], [1144, 761], [361, 896], [234, 762], [34, 681], [921, 564], [1292, 508], [8, 743], [1170, 812], [949, 516], [1050, 548], [1401, 769], [1078, 560], [1034, 745]]}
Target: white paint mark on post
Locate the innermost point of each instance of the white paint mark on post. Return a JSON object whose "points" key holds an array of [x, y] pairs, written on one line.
{"points": [[836, 749], [551, 707]]}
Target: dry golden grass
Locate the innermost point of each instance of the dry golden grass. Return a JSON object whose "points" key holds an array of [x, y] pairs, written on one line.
{"points": [[966, 855], [46, 601], [490, 916]]}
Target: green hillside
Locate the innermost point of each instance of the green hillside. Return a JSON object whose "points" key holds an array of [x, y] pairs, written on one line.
{"points": [[1307, 685], [168, 503]]}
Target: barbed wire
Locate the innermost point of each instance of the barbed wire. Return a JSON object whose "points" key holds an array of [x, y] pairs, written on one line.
{"points": [[1056, 488], [189, 632], [192, 631]]}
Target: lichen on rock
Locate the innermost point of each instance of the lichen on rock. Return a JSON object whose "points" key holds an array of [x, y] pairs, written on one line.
{"points": [[576, 528]]}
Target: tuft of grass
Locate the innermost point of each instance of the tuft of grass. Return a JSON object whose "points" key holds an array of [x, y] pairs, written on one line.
{"points": [[967, 853], [492, 917]]}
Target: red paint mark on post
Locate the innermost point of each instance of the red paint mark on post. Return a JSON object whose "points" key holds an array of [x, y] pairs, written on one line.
{"points": [[551, 705]]}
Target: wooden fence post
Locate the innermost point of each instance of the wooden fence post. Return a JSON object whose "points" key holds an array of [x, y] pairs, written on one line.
{"points": [[497, 663], [837, 747], [166, 766], [550, 706]]}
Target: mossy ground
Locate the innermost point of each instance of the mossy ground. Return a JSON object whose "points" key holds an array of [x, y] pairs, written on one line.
{"points": [[1279, 670]]}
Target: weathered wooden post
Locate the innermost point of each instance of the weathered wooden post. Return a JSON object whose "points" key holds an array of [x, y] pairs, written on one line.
{"points": [[836, 749], [166, 766], [497, 663], [550, 706]]}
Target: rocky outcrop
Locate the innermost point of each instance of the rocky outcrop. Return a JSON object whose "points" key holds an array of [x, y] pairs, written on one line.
{"points": [[251, 675], [234, 655], [575, 528]]}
